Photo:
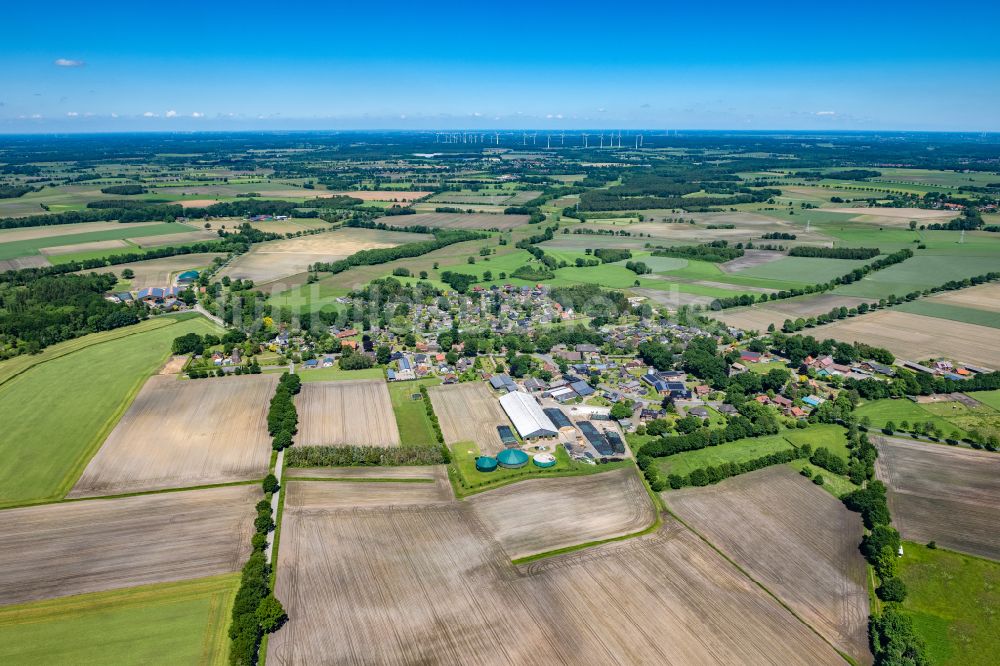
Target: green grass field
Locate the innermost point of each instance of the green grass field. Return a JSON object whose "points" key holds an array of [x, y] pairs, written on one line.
{"points": [[920, 272], [952, 312], [827, 435], [59, 410], [336, 374], [411, 415], [738, 451], [989, 398], [24, 248], [882, 411], [954, 601], [169, 623], [802, 270]]}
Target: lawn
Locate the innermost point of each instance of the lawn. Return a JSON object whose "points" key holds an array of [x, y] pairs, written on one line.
{"points": [[411, 415], [336, 374], [740, 450], [170, 623], [58, 411], [954, 601], [828, 435], [467, 480], [898, 410], [835, 484], [989, 398]]}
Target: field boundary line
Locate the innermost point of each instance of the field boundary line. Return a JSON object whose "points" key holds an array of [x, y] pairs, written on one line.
{"points": [[756, 582], [359, 479], [137, 493]]}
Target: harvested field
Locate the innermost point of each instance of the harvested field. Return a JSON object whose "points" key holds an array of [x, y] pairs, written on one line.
{"points": [[173, 366], [176, 239], [83, 247], [160, 272], [278, 259], [540, 515], [456, 220], [759, 317], [346, 412], [894, 216], [982, 297], [376, 195], [795, 539], [916, 337], [673, 298], [56, 550], [197, 203], [179, 434], [427, 472], [23, 262], [330, 495], [750, 259], [469, 413], [942, 493], [428, 585]]}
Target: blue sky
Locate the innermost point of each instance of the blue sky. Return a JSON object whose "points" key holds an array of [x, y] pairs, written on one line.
{"points": [[98, 66]]}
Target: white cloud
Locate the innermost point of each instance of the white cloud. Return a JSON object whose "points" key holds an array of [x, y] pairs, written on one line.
{"points": [[826, 113], [114, 115], [477, 114], [149, 114], [66, 62], [72, 114], [36, 116], [171, 114], [197, 114]]}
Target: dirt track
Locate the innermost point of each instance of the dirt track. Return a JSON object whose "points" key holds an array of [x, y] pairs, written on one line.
{"points": [[69, 548]]}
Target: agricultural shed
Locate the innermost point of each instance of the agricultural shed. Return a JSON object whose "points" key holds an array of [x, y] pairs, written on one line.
{"points": [[582, 387], [558, 419], [506, 435], [527, 416]]}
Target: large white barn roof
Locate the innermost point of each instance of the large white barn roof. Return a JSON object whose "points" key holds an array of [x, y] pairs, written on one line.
{"points": [[527, 416]]}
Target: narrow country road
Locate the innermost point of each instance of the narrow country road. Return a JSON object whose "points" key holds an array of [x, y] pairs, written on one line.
{"points": [[199, 309]]}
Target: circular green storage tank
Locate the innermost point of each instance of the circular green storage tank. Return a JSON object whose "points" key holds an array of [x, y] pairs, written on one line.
{"points": [[543, 460], [512, 458], [486, 464]]}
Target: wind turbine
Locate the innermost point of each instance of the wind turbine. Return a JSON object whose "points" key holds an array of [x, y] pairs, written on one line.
{"points": [[585, 145], [602, 140]]}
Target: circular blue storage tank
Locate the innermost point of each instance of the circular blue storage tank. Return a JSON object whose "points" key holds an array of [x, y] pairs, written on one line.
{"points": [[486, 464], [512, 458]]}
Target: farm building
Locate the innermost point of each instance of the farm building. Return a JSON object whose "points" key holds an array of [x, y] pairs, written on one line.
{"points": [[503, 383], [527, 416], [506, 435], [560, 420], [582, 388], [596, 438]]}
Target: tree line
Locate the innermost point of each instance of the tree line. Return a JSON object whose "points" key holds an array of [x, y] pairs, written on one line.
{"points": [[282, 418], [834, 252], [717, 252]]}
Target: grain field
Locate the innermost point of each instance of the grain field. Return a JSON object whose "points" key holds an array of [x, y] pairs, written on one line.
{"points": [[179, 434], [56, 550]]}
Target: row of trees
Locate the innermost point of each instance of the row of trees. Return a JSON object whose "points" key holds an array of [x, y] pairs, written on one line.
{"points": [[704, 476], [834, 252], [282, 418], [717, 252], [442, 238], [256, 611], [365, 456], [847, 278]]}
